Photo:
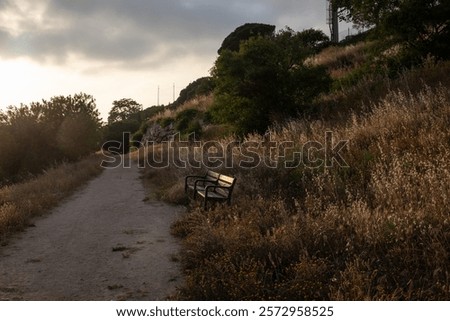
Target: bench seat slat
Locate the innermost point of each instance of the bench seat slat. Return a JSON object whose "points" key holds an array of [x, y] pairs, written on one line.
{"points": [[213, 195]]}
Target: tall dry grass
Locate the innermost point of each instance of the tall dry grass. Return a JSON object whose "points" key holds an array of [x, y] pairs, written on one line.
{"points": [[341, 104], [378, 229], [200, 103], [340, 61], [21, 202]]}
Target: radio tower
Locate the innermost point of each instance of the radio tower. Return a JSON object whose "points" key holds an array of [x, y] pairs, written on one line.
{"points": [[333, 20]]}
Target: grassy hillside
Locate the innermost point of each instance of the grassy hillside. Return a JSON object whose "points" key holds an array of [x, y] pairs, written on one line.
{"points": [[377, 229]]}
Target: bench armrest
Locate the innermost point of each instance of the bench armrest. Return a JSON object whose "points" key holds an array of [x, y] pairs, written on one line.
{"points": [[204, 181], [189, 177]]}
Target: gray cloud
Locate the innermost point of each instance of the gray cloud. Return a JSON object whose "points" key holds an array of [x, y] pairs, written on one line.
{"points": [[133, 33]]}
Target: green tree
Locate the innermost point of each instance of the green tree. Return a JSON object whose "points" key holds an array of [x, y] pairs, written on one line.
{"points": [[124, 109], [10, 152], [73, 121], [423, 25], [245, 32], [266, 80], [46, 133], [78, 136], [54, 111], [114, 133], [201, 86]]}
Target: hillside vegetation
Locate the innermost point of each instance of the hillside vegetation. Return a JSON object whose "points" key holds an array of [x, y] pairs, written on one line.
{"points": [[375, 230], [372, 224]]}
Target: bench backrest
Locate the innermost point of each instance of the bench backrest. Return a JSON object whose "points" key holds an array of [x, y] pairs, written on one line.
{"points": [[212, 176], [226, 181]]}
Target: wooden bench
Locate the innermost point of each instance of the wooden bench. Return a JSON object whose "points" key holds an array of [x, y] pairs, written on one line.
{"points": [[211, 186]]}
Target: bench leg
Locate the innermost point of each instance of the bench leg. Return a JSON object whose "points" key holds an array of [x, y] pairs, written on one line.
{"points": [[204, 204]]}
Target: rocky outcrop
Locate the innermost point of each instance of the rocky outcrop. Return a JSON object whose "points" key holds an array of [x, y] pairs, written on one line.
{"points": [[156, 134]]}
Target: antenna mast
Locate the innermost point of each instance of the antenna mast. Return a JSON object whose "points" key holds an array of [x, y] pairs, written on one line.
{"points": [[333, 20], [158, 97]]}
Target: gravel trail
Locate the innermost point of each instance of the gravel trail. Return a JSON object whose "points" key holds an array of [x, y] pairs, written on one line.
{"points": [[103, 243]]}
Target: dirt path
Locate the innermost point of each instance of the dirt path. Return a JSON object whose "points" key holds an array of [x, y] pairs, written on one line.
{"points": [[104, 243]]}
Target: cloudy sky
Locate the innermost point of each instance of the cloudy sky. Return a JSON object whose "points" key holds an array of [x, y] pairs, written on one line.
{"points": [[115, 49]]}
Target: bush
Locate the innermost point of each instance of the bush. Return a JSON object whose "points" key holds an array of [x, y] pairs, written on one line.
{"points": [[116, 136], [184, 119], [137, 138], [164, 122]]}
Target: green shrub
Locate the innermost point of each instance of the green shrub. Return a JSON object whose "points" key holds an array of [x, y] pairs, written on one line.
{"points": [[184, 119], [200, 87], [164, 122], [117, 135], [136, 138]]}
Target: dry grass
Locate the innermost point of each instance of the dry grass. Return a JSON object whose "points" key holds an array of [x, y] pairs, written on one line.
{"points": [[377, 230], [201, 103], [340, 61], [333, 56], [21, 202], [341, 104]]}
